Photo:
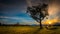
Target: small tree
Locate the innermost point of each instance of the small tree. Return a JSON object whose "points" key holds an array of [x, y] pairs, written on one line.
{"points": [[38, 12], [17, 23], [0, 23]]}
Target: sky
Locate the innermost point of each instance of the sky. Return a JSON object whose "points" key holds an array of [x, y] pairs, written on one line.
{"points": [[13, 11], [54, 11]]}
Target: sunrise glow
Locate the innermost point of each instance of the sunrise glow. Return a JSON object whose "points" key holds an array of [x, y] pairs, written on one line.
{"points": [[52, 21], [49, 22]]}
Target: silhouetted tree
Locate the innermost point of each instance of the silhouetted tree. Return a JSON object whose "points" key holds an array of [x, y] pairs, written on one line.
{"points": [[38, 12], [17, 23], [0, 23]]}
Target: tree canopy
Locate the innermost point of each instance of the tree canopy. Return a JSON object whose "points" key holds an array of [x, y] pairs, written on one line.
{"points": [[38, 12]]}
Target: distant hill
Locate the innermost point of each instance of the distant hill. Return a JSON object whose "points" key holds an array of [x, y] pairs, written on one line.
{"points": [[56, 24]]}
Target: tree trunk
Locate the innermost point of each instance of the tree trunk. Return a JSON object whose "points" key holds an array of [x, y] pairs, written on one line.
{"points": [[40, 24]]}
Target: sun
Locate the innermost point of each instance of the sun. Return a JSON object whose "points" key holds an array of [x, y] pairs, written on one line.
{"points": [[49, 22]]}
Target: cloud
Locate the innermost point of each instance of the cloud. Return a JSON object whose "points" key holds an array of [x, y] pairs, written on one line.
{"points": [[17, 18], [22, 20], [9, 6]]}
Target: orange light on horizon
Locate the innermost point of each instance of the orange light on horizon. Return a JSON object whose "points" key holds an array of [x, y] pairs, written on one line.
{"points": [[49, 22], [52, 21]]}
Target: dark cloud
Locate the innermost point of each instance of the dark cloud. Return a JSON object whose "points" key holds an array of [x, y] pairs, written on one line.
{"points": [[11, 4]]}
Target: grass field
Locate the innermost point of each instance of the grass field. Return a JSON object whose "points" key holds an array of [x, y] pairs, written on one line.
{"points": [[27, 30]]}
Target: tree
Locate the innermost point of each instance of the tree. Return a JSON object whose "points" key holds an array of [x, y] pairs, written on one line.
{"points": [[17, 23], [38, 13], [0, 23]]}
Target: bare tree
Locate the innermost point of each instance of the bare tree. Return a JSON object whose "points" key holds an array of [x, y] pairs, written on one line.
{"points": [[38, 13]]}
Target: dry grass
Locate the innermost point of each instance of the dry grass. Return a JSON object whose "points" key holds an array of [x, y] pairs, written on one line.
{"points": [[27, 30]]}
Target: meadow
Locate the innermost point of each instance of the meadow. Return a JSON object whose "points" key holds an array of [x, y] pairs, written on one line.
{"points": [[27, 30]]}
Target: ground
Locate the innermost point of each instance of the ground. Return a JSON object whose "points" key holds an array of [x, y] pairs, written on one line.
{"points": [[27, 30]]}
